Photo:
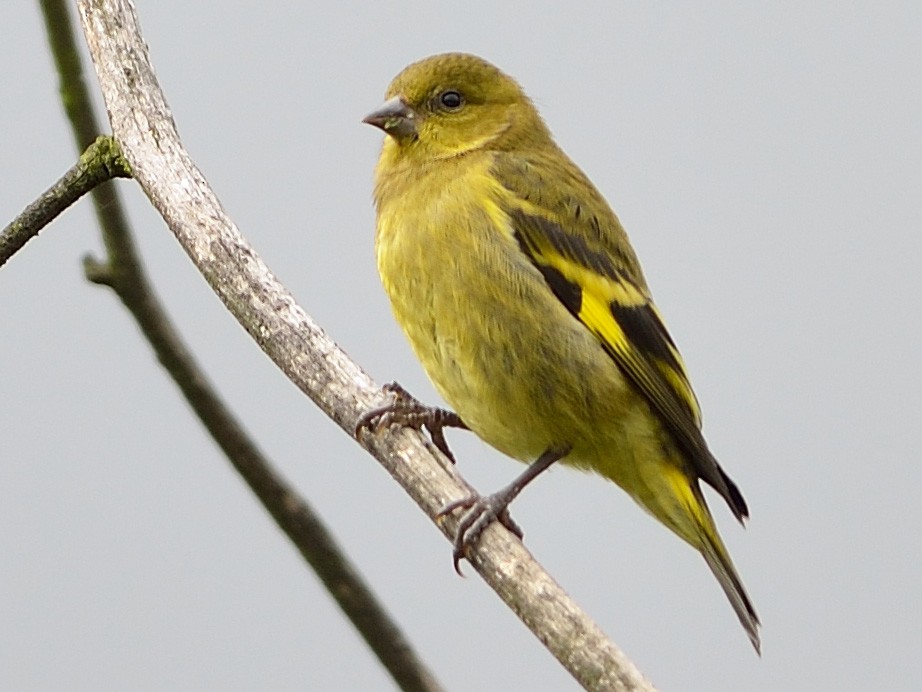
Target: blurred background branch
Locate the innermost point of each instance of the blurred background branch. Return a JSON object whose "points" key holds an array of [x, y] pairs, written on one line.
{"points": [[123, 271]]}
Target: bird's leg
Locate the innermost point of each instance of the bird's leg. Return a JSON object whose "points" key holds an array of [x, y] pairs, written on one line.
{"points": [[408, 411], [481, 511]]}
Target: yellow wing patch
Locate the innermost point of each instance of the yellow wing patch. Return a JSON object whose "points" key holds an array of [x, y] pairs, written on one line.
{"points": [[570, 235], [621, 314]]}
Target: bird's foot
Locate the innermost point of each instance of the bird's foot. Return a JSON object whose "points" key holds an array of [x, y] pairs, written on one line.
{"points": [[408, 411], [481, 512]]}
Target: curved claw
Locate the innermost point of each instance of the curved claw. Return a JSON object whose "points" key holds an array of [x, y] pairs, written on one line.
{"points": [[481, 512], [376, 418], [437, 436]]}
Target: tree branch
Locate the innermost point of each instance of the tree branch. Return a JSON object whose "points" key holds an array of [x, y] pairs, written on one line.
{"points": [[100, 162], [123, 271], [143, 124]]}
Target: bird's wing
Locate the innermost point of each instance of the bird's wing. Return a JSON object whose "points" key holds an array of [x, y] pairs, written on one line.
{"points": [[574, 243]]}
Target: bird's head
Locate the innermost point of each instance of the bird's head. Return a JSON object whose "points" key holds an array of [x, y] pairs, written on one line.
{"points": [[451, 104]]}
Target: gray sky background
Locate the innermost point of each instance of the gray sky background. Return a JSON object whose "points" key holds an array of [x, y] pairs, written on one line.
{"points": [[765, 159]]}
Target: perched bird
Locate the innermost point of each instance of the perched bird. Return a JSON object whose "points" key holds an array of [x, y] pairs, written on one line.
{"points": [[518, 290]]}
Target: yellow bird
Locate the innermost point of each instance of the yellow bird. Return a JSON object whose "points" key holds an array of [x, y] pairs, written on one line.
{"points": [[518, 289]]}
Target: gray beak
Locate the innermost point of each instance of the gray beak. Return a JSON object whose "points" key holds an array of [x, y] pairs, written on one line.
{"points": [[395, 117]]}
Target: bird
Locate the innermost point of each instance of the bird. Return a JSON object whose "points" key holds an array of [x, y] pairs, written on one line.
{"points": [[520, 294]]}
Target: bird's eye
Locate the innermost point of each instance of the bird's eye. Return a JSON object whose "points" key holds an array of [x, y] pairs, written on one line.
{"points": [[451, 100]]}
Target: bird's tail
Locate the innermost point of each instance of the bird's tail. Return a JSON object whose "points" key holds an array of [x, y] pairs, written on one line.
{"points": [[687, 514], [715, 554]]}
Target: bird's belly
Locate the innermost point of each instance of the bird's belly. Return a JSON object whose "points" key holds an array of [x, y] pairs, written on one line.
{"points": [[520, 370]]}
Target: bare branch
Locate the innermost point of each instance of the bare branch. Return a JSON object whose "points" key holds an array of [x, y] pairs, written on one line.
{"points": [[142, 122], [123, 271]]}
